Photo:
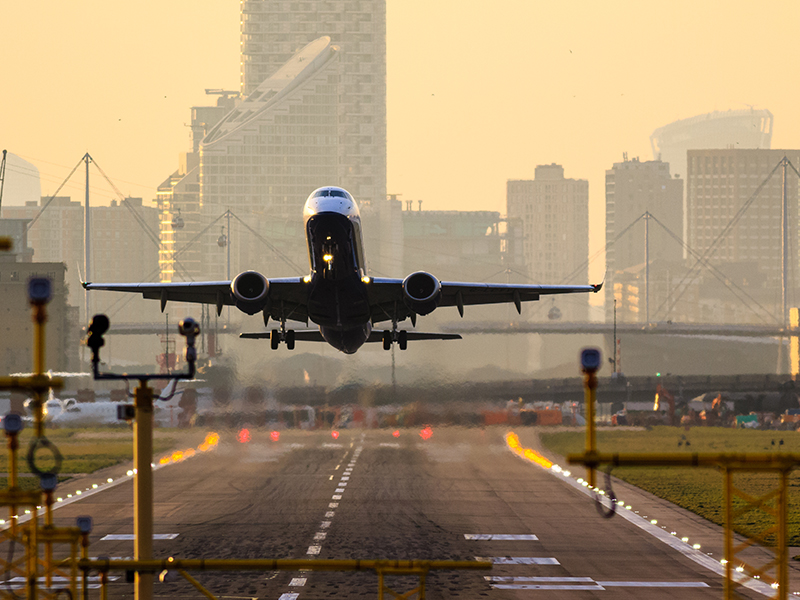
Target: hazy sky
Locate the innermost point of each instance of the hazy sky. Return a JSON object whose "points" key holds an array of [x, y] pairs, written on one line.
{"points": [[478, 92]]}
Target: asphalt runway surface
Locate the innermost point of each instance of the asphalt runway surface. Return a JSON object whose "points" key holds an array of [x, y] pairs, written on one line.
{"points": [[458, 495]]}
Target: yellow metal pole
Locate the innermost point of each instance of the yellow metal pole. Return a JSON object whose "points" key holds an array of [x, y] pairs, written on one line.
{"points": [[783, 537], [143, 487], [84, 557], [33, 555], [13, 444], [48, 549], [590, 392], [39, 319]]}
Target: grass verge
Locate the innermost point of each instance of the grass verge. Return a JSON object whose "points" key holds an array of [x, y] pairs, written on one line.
{"points": [[699, 490]]}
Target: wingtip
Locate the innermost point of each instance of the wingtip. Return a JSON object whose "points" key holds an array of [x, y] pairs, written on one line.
{"points": [[598, 286]]}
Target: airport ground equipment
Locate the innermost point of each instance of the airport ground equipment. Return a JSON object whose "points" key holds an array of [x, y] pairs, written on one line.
{"points": [[383, 568], [142, 438], [738, 503], [22, 530]]}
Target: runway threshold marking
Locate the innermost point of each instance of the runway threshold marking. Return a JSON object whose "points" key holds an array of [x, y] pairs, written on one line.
{"points": [[581, 583], [503, 537], [519, 560]]}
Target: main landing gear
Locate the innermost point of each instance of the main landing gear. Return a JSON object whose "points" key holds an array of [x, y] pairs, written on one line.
{"points": [[389, 337], [276, 336]]}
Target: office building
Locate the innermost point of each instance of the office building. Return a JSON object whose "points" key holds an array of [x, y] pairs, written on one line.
{"points": [[734, 203], [272, 31], [554, 212]]}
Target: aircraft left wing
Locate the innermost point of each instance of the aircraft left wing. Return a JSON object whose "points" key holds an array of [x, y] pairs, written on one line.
{"points": [[289, 292], [386, 295]]}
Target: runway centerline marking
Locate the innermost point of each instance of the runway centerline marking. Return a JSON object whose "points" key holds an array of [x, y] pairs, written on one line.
{"points": [[289, 596], [297, 582], [500, 537], [114, 537], [314, 550], [329, 514]]}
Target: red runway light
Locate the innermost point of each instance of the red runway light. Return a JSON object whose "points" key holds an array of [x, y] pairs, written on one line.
{"points": [[426, 433], [396, 433], [335, 435], [275, 435], [243, 435]]}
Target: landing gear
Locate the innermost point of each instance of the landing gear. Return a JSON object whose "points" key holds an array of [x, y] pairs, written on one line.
{"points": [[276, 336], [389, 337]]}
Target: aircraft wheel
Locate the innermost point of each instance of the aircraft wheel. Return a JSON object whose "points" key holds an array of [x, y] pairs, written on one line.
{"points": [[402, 339], [290, 339], [387, 340], [274, 339]]}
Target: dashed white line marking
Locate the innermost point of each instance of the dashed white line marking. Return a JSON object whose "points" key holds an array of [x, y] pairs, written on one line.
{"points": [[389, 444], [520, 560], [297, 582], [324, 524], [319, 536], [345, 478], [339, 490], [500, 537], [330, 445], [547, 586], [333, 505], [289, 596], [329, 514], [336, 497], [314, 550]]}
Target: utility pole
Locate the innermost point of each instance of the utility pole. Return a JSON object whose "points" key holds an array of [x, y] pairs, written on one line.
{"points": [[87, 243], [647, 266], [782, 354]]}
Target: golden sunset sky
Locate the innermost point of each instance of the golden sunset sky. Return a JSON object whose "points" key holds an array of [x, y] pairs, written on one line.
{"points": [[478, 92]]}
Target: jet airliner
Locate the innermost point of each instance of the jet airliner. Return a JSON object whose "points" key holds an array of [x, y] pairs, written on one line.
{"points": [[338, 295]]}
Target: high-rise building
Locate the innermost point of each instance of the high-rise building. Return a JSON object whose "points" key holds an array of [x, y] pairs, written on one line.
{"points": [[750, 128], [554, 212], [272, 31], [124, 242], [644, 214], [734, 203]]}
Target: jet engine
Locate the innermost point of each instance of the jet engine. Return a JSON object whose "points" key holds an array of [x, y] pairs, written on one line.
{"points": [[422, 292], [250, 289]]}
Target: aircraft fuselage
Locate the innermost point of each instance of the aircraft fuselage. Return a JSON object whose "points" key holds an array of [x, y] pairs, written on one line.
{"points": [[337, 291]]}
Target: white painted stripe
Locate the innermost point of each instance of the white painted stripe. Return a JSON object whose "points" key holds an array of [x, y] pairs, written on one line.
{"points": [[342, 483], [129, 536], [519, 560], [336, 497], [296, 445], [673, 541], [345, 478], [333, 505], [539, 579], [297, 582], [500, 537], [547, 586], [314, 550], [324, 524], [292, 596], [329, 514], [330, 445], [319, 536], [390, 444], [658, 584], [339, 490]]}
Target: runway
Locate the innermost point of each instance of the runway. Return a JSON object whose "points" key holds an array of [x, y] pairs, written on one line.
{"points": [[461, 494]]}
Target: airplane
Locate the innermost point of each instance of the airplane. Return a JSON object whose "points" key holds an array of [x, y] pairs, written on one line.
{"points": [[71, 413], [338, 295]]}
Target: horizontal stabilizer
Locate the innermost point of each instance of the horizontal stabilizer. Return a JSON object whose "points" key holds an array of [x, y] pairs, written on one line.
{"points": [[314, 335]]}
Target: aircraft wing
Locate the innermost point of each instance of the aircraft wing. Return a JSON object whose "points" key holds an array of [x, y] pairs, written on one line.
{"points": [[289, 291], [386, 294]]}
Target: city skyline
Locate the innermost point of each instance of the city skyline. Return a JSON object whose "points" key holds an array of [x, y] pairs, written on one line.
{"points": [[474, 97]]}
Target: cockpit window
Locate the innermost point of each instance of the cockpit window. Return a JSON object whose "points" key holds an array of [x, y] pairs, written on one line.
{"points": [[336, 193]]}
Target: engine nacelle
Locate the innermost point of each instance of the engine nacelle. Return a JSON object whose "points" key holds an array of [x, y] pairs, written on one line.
{"points": [[250, 289], [422, 292]]}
